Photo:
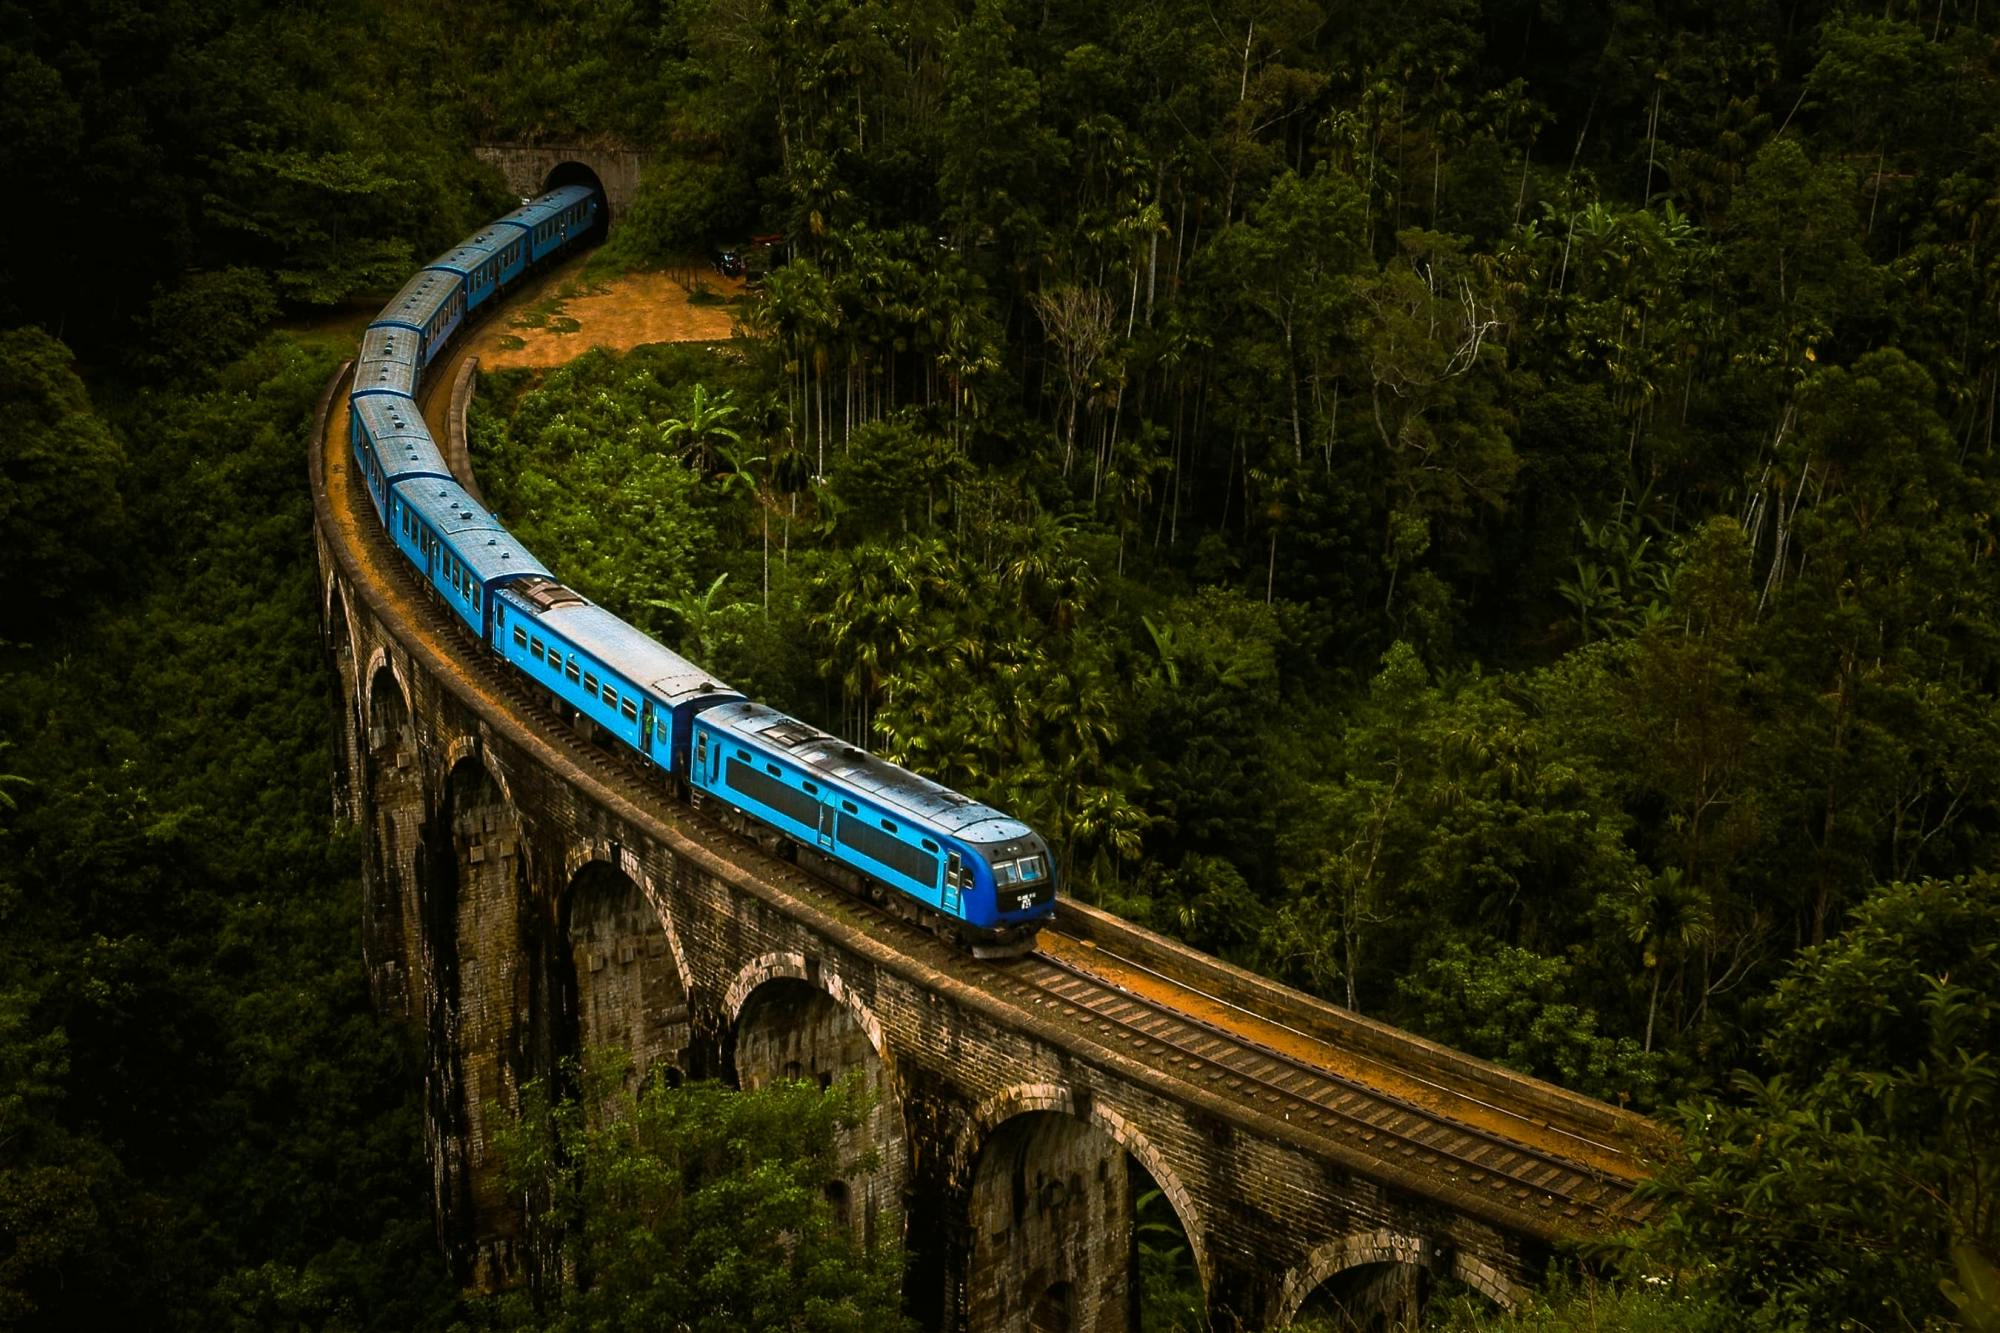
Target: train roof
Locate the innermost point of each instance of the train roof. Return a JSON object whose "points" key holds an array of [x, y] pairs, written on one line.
{"points": [[388, 362], [476, 249], [422, 297], [621, 647], [859, 770], [474, 535], [542, 207], [401, 438]]}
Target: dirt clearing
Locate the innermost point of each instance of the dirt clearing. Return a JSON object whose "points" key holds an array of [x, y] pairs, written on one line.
{"points": [[565, 314]]}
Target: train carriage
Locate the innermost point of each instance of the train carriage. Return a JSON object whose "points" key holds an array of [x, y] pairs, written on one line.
{"points": [[392, 445], [431, 305], [639, 690], [965, 861], [485, 262], [555, 219], [388, 363], [461, 550]]}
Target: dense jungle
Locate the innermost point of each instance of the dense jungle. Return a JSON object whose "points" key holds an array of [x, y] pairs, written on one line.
{"points": [[1480, 509]]}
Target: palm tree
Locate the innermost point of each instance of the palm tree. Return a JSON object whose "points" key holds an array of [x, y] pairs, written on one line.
{"points": [[1666, 916], [693, 436], [703, 620]]}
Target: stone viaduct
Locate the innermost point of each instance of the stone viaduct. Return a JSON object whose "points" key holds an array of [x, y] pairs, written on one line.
{"points": [[528, 898]]}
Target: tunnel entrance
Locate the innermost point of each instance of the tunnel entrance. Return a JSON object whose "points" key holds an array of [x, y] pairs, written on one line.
{"points": [[576, 173]]}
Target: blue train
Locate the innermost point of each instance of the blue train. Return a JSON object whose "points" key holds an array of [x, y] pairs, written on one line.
{"points": [[970, 872]]}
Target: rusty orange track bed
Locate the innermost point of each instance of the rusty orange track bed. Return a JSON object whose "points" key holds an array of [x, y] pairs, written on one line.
{"points": [[1406, 1113]]}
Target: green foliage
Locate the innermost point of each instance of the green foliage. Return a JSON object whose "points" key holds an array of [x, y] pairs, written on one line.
{"points": [[681, 209], [203, 1124], [1650, 1305], [1518, 1008], [1486, 512], [1840, 1177], [695, 1207], [62, 516]]}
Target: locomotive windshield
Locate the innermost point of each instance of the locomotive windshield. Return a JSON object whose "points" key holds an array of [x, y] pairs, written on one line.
{"points": [[1027, 870]]}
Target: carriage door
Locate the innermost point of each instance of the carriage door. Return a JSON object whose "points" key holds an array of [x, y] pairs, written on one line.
{"points": [[701, 772], [826, 826], [954, 872]]}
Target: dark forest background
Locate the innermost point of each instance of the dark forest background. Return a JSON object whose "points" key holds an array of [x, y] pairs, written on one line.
{"points": [[1481, 510]]}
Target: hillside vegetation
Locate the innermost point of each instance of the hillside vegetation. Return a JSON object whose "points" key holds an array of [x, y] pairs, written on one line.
{"points": [[1484, 511]]}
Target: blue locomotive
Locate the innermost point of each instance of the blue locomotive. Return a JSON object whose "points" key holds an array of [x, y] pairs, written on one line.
{"points": [[970, 872]]}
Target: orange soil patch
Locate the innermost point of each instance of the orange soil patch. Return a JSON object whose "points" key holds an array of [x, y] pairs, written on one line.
{"points": [[617, 313]]}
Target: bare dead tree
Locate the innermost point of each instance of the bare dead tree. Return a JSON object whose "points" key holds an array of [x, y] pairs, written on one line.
{"points": [[1079, 322]]}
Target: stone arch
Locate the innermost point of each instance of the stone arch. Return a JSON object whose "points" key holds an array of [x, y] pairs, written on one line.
{"points": [[1050, 1219], [387, 708], [338, 617], [791, 1017], [1027, 1098], [393, 792], [570, 171], [478, 992], [339, 631], [627, 862], [1485, 1279], [796, 966], [621, 960], [1360, 1249], [472, 747]]}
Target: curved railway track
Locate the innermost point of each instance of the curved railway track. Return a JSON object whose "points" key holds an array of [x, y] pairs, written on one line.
{"points": [[1407, 1124]]}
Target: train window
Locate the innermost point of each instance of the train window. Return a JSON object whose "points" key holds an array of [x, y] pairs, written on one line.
{"points": [[929, 846], [812, 787], [520, 637], [888, 827], [629, 709], [590, 682], [535, 649], [744, 755], [571, 669], [610, 695], [1032, 869], [773, 770], [849, 807], [475, 596]]}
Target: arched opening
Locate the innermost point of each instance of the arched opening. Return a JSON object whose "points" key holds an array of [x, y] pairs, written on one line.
{"points": [[339, 633], [576, 173], [388, 714], [1170, 1297], [346, 701], [1380, 1297], [1054, 1310], [1051, 1223], [790, 1029], [395, 797], [627, 995], [471, 893]]}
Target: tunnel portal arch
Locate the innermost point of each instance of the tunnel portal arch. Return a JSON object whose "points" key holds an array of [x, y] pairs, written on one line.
{"points": [[572, 172]]}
